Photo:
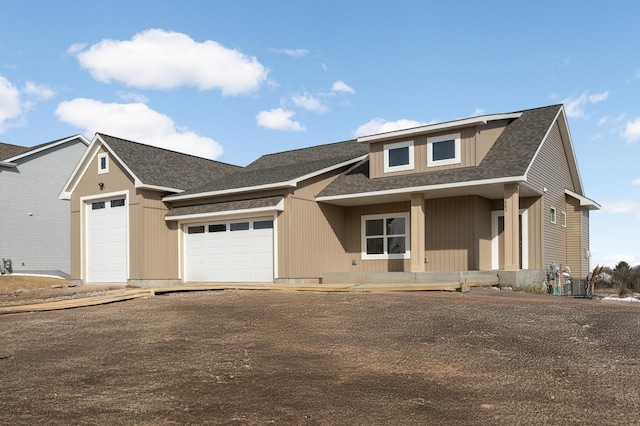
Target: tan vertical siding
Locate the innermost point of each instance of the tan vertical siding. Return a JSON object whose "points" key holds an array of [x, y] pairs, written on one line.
{"points": [[451, 230], [483, 232], [76, 245], [309, 233], [574, 236], [550, 170], [486, 137], [586, 248]]}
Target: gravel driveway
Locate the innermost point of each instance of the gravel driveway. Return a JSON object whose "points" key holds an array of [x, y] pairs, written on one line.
{"points": [[274, 357]]}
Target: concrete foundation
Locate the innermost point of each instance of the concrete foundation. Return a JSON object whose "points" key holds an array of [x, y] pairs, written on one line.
{"points": [[471, 278], [527, 278]]}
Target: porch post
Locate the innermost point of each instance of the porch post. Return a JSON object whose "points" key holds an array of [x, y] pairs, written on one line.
{"points": [[511, 227], [417, 233]]}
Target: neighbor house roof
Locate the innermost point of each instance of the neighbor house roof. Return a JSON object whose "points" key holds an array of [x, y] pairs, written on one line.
{"points": [[281, 169], [508, 159], [11, 153]]}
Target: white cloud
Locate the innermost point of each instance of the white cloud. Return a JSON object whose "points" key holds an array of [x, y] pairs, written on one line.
{"points": [[294, 53], [378, 125], [632, 131], [137, 122], [635, 182], [158, 59], [309, 103], [575, 106], [10, 107], [39, 91], [132, 97], [622, 207], [341, 87], [278, 119], [478, 111]]}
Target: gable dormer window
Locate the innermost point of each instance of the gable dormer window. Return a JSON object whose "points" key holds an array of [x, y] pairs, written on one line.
{"points": [[398, 156], [103, 163], [443, 150]]}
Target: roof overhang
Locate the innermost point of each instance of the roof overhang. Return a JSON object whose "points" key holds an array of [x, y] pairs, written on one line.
{"points": [[47, 147], [588, 203], [276, 185], [8, 165], [216, 213], [430, 128], [492, 189]]}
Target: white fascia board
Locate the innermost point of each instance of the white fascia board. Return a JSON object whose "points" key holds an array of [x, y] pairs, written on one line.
{"points": [[8, 164], [584, 201], [49, 146], [80, 169], [243, 212], [276, 185], [286, 184], [513, 179], [436, 127]]}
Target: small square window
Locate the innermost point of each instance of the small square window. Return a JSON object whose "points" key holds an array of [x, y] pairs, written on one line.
{"points": [[398, 156], [443, 150], [103, 163], [195, 229], [552, 215], [263, 224], [117, 203], [99, 205]]}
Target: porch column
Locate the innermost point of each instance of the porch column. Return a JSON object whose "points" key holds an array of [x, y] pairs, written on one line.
{"points": [[511, 227], [417, 232]]}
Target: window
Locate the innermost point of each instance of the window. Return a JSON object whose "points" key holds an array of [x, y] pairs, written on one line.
{"points": [[263, 224], [385, 236], [103, 163], [443, 150], [195, 230], [117, 203], [221, 227], [563, 219], [240, 226], [552, 214], [398, 156], [97, 205]]}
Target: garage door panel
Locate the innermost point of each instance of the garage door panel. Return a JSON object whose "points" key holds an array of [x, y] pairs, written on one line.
{"points": [[234, 252], [106, 241]]}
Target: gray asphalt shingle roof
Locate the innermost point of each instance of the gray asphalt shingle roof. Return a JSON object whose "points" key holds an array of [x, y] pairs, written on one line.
{"points": [[8, 150], [164, 168], [510, 156], [286, 166], [224, 206]]}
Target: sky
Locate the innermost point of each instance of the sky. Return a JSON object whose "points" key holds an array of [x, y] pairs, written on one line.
{"points": [[233, 80]]}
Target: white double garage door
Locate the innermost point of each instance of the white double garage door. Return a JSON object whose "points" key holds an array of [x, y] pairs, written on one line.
{"points": [[230, 251]]}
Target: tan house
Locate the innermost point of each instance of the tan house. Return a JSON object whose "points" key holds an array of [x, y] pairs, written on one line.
{"points": [[497, 193]]}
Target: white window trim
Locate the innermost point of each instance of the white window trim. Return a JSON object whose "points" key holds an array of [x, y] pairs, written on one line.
{"points": [[553, 215], [387, 147], [563, 219], [106, 169], [384, 256], [448, 161]]}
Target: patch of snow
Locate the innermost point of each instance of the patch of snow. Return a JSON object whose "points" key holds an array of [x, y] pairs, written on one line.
{"points": [[621, 299], [17, 274]]}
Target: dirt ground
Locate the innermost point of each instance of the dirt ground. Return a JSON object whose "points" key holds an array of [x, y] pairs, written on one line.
{"points": [[275, 357], [21, 289]]}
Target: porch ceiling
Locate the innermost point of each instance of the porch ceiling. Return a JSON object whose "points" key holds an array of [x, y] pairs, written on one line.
{"points": [[493, 191]]}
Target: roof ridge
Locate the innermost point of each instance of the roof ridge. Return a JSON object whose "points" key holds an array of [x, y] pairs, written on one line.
{"points": [[166, 149]]}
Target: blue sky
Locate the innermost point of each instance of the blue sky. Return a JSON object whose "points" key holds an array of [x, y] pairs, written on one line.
{"points": [[233, 80]]}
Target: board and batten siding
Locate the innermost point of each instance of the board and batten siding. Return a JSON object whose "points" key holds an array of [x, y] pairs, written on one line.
{"points": [[550, 170], [35, 223], [311, 234], [574, 236], [586, 247]]}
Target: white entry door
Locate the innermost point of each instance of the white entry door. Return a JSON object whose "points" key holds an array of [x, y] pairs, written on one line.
{"points": [[107, 241], [230, 251]]}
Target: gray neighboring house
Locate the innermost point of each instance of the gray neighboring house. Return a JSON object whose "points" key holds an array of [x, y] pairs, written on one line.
{"points": [[35, 223]]}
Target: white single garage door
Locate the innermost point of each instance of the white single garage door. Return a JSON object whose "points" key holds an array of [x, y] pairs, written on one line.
{"points": [[231, 251], [107, 241]]}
